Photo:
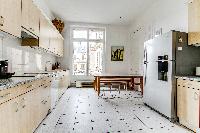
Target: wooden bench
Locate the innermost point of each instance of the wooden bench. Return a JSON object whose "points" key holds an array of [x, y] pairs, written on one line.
{"points": [[119, 79], [114, 82]]}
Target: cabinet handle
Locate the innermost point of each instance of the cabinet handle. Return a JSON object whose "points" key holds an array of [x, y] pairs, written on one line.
{"points": [[32, 29], [5, 95], [16, 107], [44, 102], [196, 96], [23, 103], [29, 86], [1, 21]]}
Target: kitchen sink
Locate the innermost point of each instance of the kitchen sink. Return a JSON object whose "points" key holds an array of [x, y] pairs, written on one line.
{"points": [[36, 73]]}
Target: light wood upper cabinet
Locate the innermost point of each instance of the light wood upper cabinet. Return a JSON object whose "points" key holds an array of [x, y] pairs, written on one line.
{"points": [[194, 22], [44, 33], [56, 43], [34, 21], [10, 17], [30, 16], [61, 47]]}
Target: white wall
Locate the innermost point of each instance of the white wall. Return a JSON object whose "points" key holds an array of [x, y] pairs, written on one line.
{"points": [[115, 36], [25, 59], [168, 15], [165, 14], [43, 6]]}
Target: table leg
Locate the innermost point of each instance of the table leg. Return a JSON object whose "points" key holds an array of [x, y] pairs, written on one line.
{"points": [[94, 84], [142, 85], [98, 85], [132, 83]]}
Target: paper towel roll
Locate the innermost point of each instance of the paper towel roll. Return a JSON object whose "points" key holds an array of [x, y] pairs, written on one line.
{"points": [[198, 71]]}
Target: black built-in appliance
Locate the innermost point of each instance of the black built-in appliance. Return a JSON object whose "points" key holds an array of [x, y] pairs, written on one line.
{"points": [[4, 74]]}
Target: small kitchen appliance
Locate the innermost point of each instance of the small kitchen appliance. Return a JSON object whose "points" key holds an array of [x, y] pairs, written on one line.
{"points": [[4, 74]]}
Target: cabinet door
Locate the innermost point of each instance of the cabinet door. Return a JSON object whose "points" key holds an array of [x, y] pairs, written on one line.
{"points": [[28, 112], [30, 16], [194, 22], [10, 17], [53, 43], [34, 19], [10, 117], [193, 107], [60, 46], [182, 101], [26, 4], [44, 33]]}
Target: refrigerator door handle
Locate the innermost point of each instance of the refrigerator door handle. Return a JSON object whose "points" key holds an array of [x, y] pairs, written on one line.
{"points": [[165, 60]]}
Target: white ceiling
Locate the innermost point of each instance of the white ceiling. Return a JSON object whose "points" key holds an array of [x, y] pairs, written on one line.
{"points": [[99, 11]]}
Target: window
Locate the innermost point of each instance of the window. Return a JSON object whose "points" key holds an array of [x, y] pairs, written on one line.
{"points": [[88, 49]]}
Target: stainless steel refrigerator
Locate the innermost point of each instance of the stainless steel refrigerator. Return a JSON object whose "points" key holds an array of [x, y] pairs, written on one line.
{"points": [[165, 57]]}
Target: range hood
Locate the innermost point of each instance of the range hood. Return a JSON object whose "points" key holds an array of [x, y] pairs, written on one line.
{"points": [[29, 38]]}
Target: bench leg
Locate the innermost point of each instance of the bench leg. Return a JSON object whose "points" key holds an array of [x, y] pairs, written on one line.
{"points": [[119, 88]]}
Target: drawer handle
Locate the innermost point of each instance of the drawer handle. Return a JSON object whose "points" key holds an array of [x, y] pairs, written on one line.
{"points": [[44, 102], [5, 95], [1, 21], [16, 107], [29, 86]]}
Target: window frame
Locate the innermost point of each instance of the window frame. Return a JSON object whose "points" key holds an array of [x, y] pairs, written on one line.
{"points": [[88, 40]]}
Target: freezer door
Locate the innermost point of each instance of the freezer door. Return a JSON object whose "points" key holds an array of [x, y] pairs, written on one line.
{"points": [[160, 46]]}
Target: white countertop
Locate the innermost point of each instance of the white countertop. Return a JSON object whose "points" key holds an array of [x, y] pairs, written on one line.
{"points": [[197, 78], [15, 81]]}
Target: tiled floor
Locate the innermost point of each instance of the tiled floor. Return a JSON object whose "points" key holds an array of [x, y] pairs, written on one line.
{"points": [[82, 111]]}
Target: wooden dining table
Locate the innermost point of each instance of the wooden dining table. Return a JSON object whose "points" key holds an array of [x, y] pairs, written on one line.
{"points": [[113, 78]]}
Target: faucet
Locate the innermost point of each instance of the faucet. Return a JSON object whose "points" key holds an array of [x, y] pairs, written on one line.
{"points": [[46, 65]]}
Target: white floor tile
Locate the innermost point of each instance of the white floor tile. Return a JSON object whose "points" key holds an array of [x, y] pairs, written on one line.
{"points": [[82, 111]]}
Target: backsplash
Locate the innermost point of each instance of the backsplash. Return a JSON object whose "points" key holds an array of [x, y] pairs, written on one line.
{"points": [[24, 59]]}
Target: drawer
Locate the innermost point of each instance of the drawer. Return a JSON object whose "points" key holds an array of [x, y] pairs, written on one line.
{"points": [[13, 92], [190, 84], [182, 82]]}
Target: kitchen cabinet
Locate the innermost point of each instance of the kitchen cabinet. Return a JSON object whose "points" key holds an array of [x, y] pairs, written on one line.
{"points": [[30, 17], [53, 42], [59, 85], [56, 43], [193, 107], [10, 116], [49, 40], [188, 103], [12, 93], [10, 17], [25, 112], [194, 22], [60, 46], [29, 104], [44, 33], [181, 100]]}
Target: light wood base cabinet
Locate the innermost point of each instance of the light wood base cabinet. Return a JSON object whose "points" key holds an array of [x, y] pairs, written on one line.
{"points": [[27, 105], [188, 103], [24, 113]]}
